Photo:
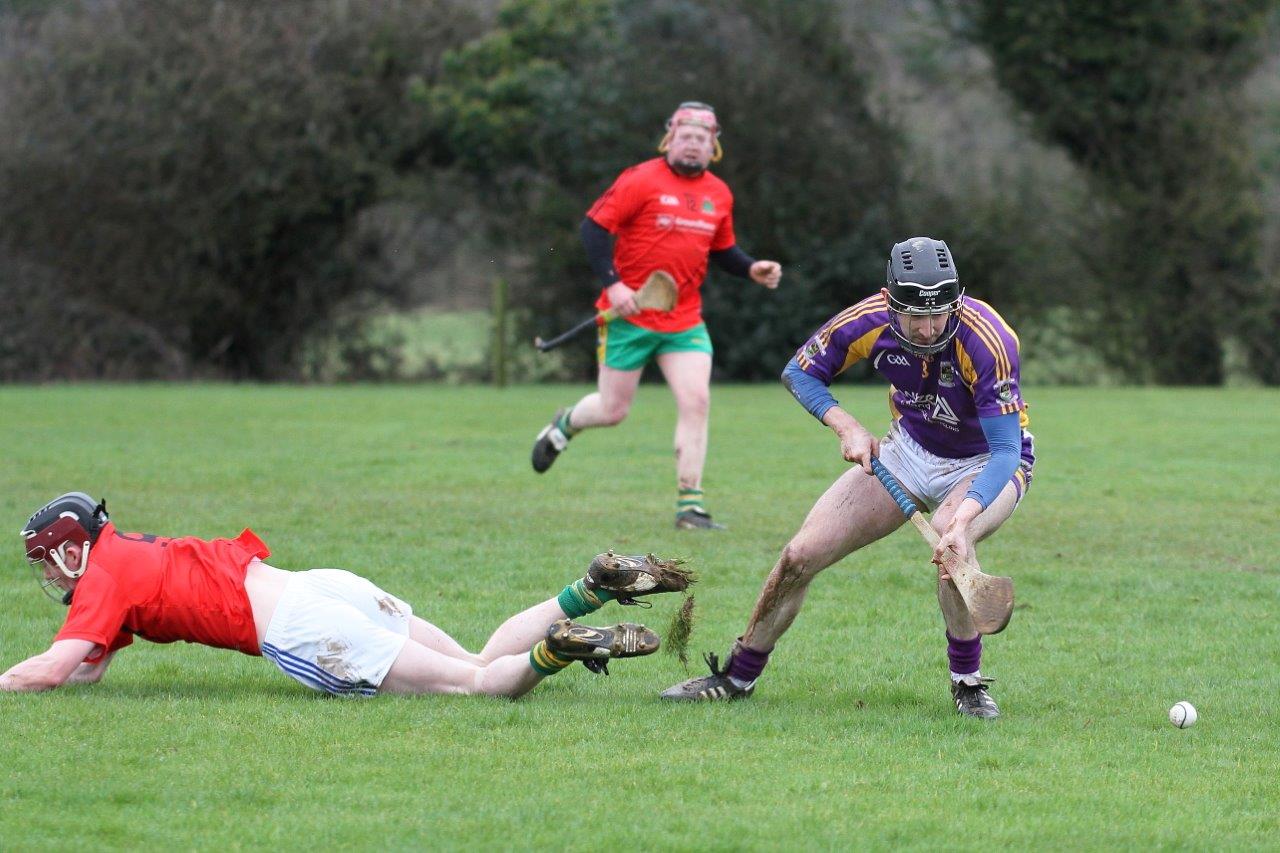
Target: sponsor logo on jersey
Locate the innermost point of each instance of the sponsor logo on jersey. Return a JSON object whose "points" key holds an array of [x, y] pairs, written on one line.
{"points": [[947, 374], [935, 408], [695, 225], [943, 413], [669, 200], [665, 221]]}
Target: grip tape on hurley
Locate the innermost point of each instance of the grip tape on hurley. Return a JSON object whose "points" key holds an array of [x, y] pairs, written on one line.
{"points": [[895, 490]]}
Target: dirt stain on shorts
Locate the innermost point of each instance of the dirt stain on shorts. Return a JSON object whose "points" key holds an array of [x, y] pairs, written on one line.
{"points": [[332, 658], [388, 605]]}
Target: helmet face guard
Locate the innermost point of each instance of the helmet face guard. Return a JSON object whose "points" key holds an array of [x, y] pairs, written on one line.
{"points": [[51, 584], [951, 310], [695, 113], [922, 281]]}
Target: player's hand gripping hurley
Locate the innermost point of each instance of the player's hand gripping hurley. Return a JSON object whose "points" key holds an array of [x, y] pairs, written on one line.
{"points": [[989, 598], [658, 293]]}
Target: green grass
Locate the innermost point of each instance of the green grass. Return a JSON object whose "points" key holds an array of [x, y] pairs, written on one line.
{"points": [[1145, 566]]}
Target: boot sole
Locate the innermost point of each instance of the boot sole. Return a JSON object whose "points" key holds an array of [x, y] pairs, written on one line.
{"points": [[581, 642], [622, 579]]}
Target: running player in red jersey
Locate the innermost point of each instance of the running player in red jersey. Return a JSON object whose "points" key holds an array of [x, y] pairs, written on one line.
{"points": [[671, 214], [329, 629]]}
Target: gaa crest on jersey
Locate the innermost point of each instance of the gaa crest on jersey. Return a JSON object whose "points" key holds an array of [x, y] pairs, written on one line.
{"points": [[1004, 390], [814, 348], [669, 200], [947, 374]]}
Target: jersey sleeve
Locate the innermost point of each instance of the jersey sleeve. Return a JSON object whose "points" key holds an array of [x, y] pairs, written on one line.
{"points": [[252, 544], [618, 203], [97, 614], [842, 341], [1004, 438], [809, 391], [991, 350]]}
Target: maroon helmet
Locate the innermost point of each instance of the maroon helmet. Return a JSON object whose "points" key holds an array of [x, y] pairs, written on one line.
{"points": [[697, 113], [70, 519]]}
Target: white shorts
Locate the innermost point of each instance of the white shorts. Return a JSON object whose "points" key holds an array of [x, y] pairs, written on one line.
{"points": [[337, 632], [931, 478]]}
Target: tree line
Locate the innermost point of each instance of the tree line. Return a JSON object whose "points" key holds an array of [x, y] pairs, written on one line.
{"points": [[201, 189]]}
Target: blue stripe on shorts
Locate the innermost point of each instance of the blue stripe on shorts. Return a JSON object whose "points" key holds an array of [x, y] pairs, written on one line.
{"points": [[313, 676]]}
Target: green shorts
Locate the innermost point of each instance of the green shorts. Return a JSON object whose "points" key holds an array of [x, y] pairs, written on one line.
{"points": [[626, 346]]}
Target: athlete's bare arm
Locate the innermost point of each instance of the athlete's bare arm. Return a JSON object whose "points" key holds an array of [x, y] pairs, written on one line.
{"points": [[90, 673], [857, 444], [50, 669]]}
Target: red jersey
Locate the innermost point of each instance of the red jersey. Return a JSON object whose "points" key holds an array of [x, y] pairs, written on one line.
{"points": [[665, 221], [165, 590]]}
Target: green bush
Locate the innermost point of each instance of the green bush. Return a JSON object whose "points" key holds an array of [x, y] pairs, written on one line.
{"points": [[199, 165]]}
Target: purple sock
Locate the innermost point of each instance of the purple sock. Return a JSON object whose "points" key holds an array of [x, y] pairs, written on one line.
{"points": [[965, 655], [746, 664]]}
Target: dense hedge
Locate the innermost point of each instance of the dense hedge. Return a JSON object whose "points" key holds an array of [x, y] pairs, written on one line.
{"points": [[193, 171]]}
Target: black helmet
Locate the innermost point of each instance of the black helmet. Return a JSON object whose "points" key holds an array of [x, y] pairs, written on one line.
{"points": [[922, 280], [70, 519]]}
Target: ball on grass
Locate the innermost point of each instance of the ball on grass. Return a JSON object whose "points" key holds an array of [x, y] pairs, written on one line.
{"points": [[1183, 715]]}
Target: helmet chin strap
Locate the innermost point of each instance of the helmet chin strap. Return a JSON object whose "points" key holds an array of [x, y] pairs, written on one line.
{"points": [[61, 563]]}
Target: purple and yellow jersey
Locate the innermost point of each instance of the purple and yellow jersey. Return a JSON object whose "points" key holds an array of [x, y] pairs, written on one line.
{"points": [[937, 399]]}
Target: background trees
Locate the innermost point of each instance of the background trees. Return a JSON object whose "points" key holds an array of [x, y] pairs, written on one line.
{"points": [[1147, 100], [204, 189]]}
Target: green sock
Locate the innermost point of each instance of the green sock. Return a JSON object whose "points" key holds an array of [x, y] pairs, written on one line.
{"points": [[545, 661], [563, 424], [689, 499], [577, 600]]}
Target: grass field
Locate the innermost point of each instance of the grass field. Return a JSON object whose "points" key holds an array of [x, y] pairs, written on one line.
{"points": [[1144, 558]]}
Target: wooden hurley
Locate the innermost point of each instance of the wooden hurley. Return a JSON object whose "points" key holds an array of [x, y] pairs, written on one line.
{"points": [[658, 293], [988, 597]]}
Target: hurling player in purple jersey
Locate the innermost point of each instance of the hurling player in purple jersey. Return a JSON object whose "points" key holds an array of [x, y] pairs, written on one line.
{"points": [[958, 444]]}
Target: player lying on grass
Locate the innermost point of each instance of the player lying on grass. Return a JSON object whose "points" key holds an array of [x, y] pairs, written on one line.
{"points": [[958, 444], [329, 629]]}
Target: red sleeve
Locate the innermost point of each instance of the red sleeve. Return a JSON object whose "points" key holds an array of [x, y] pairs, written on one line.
{"points": [[618, 204], [255, 547], [724, 237], [97, 614]]}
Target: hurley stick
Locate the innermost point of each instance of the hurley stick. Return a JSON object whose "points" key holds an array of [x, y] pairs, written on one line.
{"points": [[989, 598], [658, 292]]}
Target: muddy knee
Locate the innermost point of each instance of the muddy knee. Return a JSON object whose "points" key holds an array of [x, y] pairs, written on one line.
{"points": [[797, 564]]}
